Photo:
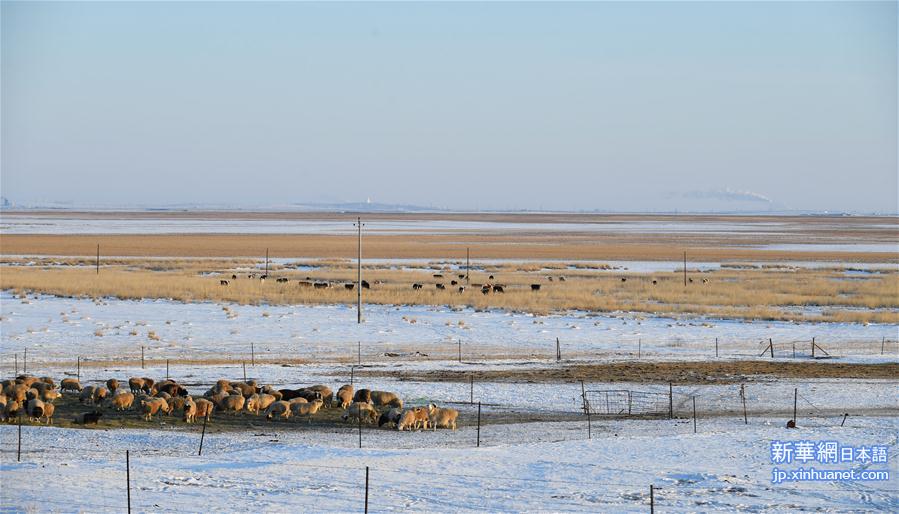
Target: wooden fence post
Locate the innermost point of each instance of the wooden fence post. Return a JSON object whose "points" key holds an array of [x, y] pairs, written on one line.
{"points": [[366, 489], [771, 346], [639, 344], [795, 399], [716, 347], [813, 347], [460, 350], [583, 397], [141, 357], [252, 355], [743, 397], [352, 372], [244, 371], [203, 435], [25, 361], [166, 369], [17, 363], [359, 352], [844, 419], [558, 350], [360, 430], [479, 424], [78, 372], [670, 400], [652, 502], [694, 414], [471, 384], [19, 451]]}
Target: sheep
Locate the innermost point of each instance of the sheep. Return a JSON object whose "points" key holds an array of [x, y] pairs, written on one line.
{"points": [[279, 409], [47, 380], [50, 395], [27, 380], [18, 392], [35, 409], [390, 416], [70, 384], [12, 409], [305, 409], [204, 408], [136, 384], [100, 393], [407, 420], [152, 406], [308, 394], [259, 402], [190, 410], [173, 389], [87, 418], [245, 389], [267, 389], [177, 402], [327, 396], [112, 384], [345, 395], [443, 417], [360, 411], [163, 394], [31, 394], [233, 403], [363, 396], [386, 399], [49, 409], [122, 401], [421, 417], [87, 394], [148, 384]]}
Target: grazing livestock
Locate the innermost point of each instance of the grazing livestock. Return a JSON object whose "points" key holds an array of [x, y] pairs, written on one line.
{"points": [[18, 392], [535, 287], [177, 403], [440, 286], [498, 289], [49, 409], [624, 279], [321, 285], [438, 275], [233, 277], [360, 412], [421, 417], [654, 282], [122, 401], [305, 409], [485, 289], [407, 420], [232, 403], [152, 406], [112, 384], [345, 395], [304, 283], [305, 393], [461, 275], [327, 396], [259, 402], [386, 399], [245, 389], [223, 282], [365, 285], [416, 286], [454, 282], [391, 416], [442, 417], [12, 409], [280, 409], [705, 281], [50, 395], [490, 277], [88, 418], [362, 396], [549, 278], [282, 280], [461, 289], [70, 384], [47, 380], [190, 410], [148, 384], [173, 389], [204, 408], [87, 394], [35, 409], [136, 384], [349, 286]]}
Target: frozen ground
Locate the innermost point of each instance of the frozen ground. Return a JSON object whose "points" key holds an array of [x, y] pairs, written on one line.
{"points": [[726, 467], [55, 329]]}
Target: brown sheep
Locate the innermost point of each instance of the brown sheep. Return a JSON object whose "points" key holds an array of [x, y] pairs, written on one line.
{"points": [[327, 394], [13, 408], [177, 402], [259, 402], [136, 384], [49, 381], [279, 409], [152, 406], [100, 394], [232, 403], [345, 395], [305, 409], [49, 409], [361, 411], [204, 408], [190, 410], [112, 384], [122, 401], [70, 384], [148, 384], [407, 420], [362, 396], [391, 416], [421, 417], [50, 395], [245, 389], [386, 399], [442, 417]]}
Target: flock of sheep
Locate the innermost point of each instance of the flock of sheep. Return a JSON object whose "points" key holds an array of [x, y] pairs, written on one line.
{"points": [[34, 396]]}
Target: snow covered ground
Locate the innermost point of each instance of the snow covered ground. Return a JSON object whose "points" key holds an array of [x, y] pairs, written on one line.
{"points": [[60, 329], [725, 467]]}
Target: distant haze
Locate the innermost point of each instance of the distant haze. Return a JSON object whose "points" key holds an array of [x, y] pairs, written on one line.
{"points": [[693, 106]]}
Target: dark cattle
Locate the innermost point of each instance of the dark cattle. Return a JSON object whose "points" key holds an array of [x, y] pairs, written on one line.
{"points": [[453, 282], [438, 275], [624, 279], [321, 285], [416, 286], [490, 277], [304, 283], [462, 275], [705, 281], [263, 277], [440, 286], [561, 279], [535, 287], [233, 277], [223, 282], [349, 286], [654, 282], [281, 280], [362, 395], [365, 285], [691, 280], [461, 289], [498, 289], [485, 289], [251, 275], [549, 278]]}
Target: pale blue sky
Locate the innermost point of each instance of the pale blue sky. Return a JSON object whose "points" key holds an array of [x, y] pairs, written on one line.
{"points": [[612, 106]]}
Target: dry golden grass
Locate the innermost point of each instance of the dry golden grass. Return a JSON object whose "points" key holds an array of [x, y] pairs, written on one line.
{"points": [[774, 294], [539, 246]]}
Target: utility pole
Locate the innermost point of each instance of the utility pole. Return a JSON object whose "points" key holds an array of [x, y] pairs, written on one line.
{"points": [[467, 265], [359, 271], [685, 269], [98, 259]]}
